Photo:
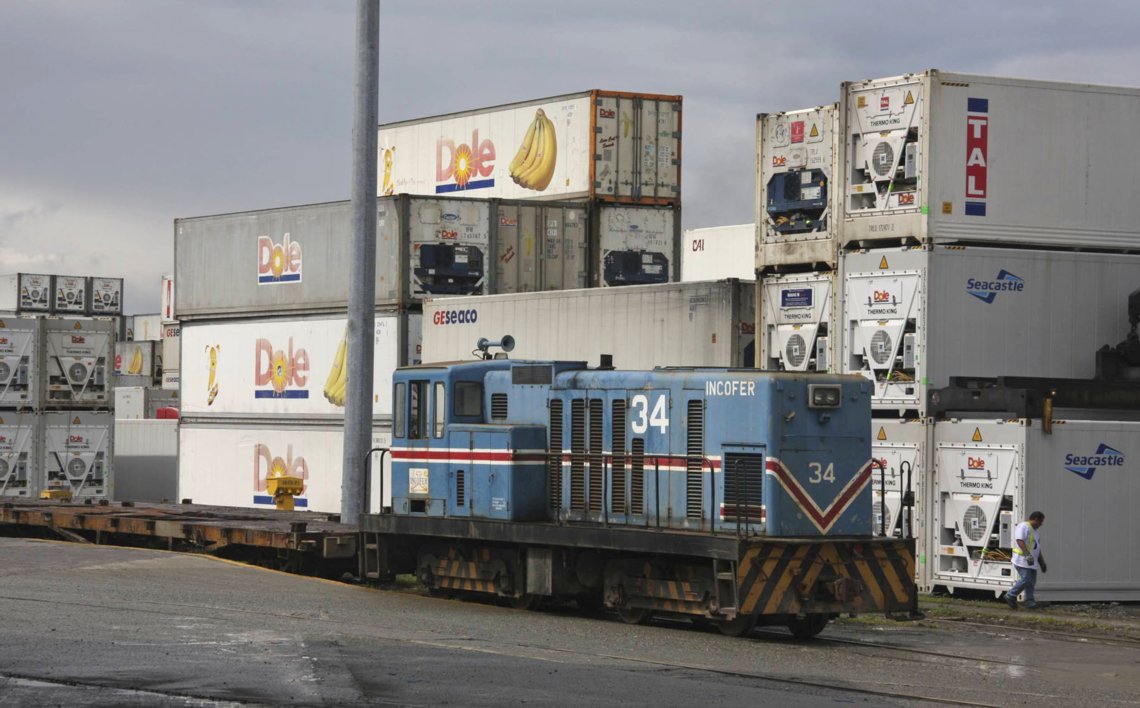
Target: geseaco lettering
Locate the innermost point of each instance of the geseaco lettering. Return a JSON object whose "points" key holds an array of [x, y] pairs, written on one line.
{"points": [[996, 285], [450, 317], [1095, 460]]}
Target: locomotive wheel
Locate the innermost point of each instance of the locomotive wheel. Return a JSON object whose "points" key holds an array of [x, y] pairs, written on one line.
{"points": [[526, 601], [742, 625], [634, 615], [807, 627]]}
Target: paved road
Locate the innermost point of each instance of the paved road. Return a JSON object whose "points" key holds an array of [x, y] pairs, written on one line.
{"points": [[97, 625]]}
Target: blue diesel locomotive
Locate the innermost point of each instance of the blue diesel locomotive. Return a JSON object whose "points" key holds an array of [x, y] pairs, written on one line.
{"points": [[730, 495]]}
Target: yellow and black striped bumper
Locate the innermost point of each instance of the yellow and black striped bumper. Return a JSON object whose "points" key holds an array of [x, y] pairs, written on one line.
{"points": [[834, 576]]}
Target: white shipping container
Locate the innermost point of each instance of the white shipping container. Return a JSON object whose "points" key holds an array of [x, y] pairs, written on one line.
{"points": [[25, 292], [718, 253], [106, 296], [677, 324], [78, 451], [539, 246], [70, 294], [899, 447], [609, 145], [135, 359], [79, 362], [796, 195], [19, 454], [281, 367], [797, 316], [21, 366], [227, 464], [146, 460], [990, 474], [912, 318], [146, 328], [637, 245], [171, 362], [449, 242], [941, 157]]}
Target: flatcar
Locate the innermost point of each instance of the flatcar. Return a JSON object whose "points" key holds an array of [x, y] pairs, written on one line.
{"points": [[731, 496]]}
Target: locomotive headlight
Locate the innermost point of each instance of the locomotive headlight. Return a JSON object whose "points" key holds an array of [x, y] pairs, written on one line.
{"points": [[824, 396]]}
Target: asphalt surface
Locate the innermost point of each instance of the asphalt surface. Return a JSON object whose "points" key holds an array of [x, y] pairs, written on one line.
{"points": [[97, 625]]}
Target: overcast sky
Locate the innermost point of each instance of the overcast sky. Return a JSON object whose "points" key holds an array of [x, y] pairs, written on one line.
{"points": [[117, 116]]}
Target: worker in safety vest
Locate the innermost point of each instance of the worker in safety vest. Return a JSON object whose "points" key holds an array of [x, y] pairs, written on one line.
{"points": [[1027, 558]]}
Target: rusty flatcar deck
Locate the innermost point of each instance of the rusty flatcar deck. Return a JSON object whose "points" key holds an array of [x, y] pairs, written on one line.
{"points": [[187, 527]]}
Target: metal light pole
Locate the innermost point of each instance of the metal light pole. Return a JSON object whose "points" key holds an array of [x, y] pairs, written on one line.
{"points": [[362, 276]]}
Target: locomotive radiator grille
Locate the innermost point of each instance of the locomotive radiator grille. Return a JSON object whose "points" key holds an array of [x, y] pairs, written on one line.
{"points": [[597, 457], [617, 427], [637, 476], [499, 406], [694, 461], [554, 459], [743, 486], [460, 488], [577, 455]]}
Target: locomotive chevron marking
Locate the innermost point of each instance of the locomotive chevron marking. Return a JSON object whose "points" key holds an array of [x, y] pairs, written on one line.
{"points": [[822, 518]]}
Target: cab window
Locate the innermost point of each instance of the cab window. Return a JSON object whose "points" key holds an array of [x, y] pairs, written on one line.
{"points": [[399, 429], [469, 399], [439, 406], [417, 410]]}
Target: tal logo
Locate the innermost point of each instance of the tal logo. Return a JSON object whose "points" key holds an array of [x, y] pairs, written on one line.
{"points": [[266, 465], [280, 373], [278, 262], [461, 166], [987, 290], [1087, 465]]}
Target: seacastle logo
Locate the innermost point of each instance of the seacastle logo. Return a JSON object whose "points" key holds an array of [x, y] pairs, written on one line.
{"points": [[1087, 465], [987, 290]]}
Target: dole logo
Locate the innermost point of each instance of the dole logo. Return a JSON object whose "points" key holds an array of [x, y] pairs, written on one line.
{"points": [[78, 339], [280, 373], [881, 296], [976, 463], [75, 439], [278, 262], [266, 464], [460, 167], [607, 113]]}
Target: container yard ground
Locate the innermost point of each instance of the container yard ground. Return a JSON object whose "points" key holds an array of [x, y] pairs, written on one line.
{"points": [[100, 625]]}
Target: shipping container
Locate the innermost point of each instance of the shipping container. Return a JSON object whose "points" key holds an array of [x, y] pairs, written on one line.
{"points": [[636, 245], [21, 363], [171, 362], [105, 297], [274, 261], [146, 460], [70, 295], [145, 328], [718, 253], [226, 464], [135, 359], [990, 474], [796, 191], [25, 293], [285, 368], [78, 452], [595, 144], [914, 317], [900, 452], [448, 242], [797, 318], [19, 454], [917, 162], [168, 314], [79, 360], [142, 402], [539, 246], [677, 324]]}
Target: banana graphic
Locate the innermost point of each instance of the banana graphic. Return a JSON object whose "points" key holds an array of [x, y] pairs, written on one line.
{"points": [[387, 185], [212, 384], [335, 383], [533, 166], [136, 365]]}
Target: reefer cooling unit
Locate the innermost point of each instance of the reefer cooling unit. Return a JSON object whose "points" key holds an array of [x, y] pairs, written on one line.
{"points": [[797, 315], [20, 364], [78, 453], [79, 362]]}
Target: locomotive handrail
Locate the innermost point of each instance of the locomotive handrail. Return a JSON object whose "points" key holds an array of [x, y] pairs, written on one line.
{"points": [[368, 478], [908, 499], [882, 495]]}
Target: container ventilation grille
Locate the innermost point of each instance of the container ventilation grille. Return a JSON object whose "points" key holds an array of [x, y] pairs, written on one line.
{"points": [[883, 159], [597, 456], [882, 349], [498, 406], [617, 474], [795, 351], [577, 455], [554, 461], [974, 521], [694, 461], [77, 372]]}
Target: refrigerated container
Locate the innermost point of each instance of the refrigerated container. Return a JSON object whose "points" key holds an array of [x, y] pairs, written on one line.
{"points": [[78, 453], [914, 317], [79, 360], [285, 368], [448, 242], [25, 293], [135, 359], [539, 246], [797, 316], [21, 365], [901, 465], [718, 252], [105, 297], [942, 157], [677, 324], [636, 245], [226, 464], [990, 474], [70, 295], [796, 191], [19, 454], [605, 145]]}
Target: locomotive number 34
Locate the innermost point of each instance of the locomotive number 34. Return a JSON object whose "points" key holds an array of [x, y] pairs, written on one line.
{"points": [[643, 419], [821, 472]]}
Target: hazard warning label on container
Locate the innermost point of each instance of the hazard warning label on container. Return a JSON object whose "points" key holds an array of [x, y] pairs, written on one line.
{"points": [[977, 435], [883, 264], [909, 100], [882, 433], [814, 133]]}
